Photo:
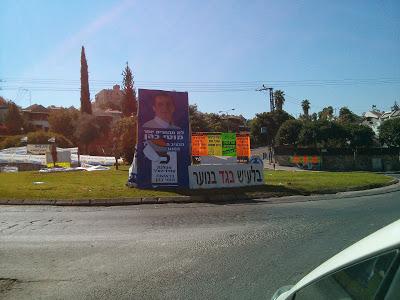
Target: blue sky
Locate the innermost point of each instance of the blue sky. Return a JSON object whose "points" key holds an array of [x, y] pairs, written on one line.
{"points": [[219, 51]]}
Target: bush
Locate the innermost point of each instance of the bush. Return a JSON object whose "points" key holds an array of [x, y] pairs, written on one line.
{"points": [[87, 130], [389, 132], [11, 141], [42, 137], [63, 121], [124, 132], [37, 137]]}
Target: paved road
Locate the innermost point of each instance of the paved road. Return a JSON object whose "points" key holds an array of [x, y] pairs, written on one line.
{"points": [[191, 251]]}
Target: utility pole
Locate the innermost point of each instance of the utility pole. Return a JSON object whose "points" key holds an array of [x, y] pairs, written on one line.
{"points": [[271, 96]]}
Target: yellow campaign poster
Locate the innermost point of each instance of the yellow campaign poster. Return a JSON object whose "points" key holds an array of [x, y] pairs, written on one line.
{"points": [[199, 144], [214, 144], [243, 145]]}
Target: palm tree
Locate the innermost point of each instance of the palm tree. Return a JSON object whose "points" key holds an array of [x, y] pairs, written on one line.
{"points": [[330, 113], [326, 114], [279, 97], [305, 104]]}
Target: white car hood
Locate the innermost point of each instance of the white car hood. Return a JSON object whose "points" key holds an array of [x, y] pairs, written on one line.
{"points": [[384, 239]]}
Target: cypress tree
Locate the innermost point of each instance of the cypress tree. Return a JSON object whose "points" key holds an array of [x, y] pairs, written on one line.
{"points": [[86, 106]]}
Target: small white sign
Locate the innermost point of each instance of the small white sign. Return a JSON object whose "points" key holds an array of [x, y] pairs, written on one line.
{"points": [[37, 149], [62, 157], [165, 170]]}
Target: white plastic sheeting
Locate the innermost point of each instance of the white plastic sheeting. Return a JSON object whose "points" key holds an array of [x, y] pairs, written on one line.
{"points": [[19, 155], [88, 168], [8, 158], [14, 150], [94, 160], [8, 169]]}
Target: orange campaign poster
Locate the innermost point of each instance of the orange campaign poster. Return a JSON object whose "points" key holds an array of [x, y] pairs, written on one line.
{"points": [[199, 144], [243, 145]]}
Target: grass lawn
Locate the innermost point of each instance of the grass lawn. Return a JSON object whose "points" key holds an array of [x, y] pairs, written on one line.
{"points": [[111, 184], [314, 182]]}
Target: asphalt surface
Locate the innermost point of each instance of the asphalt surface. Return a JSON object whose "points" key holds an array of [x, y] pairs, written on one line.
{"points": [[177, 251]]}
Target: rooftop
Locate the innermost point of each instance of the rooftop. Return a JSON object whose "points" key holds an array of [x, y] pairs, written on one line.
{"points": [[36, 108]]}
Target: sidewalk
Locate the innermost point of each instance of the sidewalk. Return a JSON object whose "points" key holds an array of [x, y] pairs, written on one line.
{"points": [[270, 166]]}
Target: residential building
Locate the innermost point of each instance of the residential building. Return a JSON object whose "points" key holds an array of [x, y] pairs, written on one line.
{"points": [[37, 116], [372, 119], [109, 99], [390, 115], [375, 118], [109, 114]]}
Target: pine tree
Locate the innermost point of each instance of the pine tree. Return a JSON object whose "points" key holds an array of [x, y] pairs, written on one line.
{"points": [[128, 105], [86, 106]]}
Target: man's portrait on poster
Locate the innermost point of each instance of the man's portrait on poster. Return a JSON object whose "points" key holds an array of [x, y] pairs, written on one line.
{"points": [[164, 108]]}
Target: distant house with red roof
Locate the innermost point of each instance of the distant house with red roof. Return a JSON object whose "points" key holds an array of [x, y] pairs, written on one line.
{"points": [[37, 116]]}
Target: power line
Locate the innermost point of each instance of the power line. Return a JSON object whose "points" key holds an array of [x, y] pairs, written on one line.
{"points": [[21, 84], [209, 84]]}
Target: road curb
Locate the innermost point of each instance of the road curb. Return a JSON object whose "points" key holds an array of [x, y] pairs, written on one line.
{"points": [[390, 187]]}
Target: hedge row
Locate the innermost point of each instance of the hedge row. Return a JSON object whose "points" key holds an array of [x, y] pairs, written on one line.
{"points": [[37, 137]]}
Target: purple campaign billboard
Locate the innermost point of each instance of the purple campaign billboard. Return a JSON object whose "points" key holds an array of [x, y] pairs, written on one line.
{"points": [[163, 153]]}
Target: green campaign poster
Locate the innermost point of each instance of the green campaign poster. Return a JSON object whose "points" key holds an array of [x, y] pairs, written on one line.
{"points": [[228, 144]]}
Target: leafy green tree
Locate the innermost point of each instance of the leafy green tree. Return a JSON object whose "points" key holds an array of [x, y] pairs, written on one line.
{"points": [[13, 120], [389, 132], [86, 131], [323, 134], [3, 101], [128, 105], [309, 134], [360, 135], [279, 98], [346, 116], [271, 121], [86, 106], [124, 137], [305, 105], [216, 122], [63, 121], [198, 120], [288, 133], [234, 123], [332, 134], [212, 122]]}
